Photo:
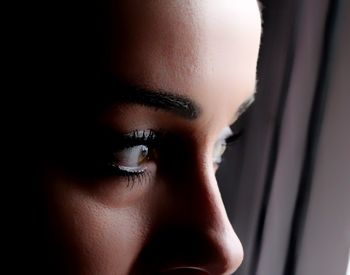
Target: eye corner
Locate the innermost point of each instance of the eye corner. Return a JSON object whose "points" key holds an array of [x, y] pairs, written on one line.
{"points": [[236, 135]]}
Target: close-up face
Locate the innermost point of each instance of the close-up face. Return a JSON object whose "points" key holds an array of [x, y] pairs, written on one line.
{"points": [[136, 192]]}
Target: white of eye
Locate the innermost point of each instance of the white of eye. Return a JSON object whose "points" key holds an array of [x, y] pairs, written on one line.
{"points": [[220, 145], [219, 150], [131, 158]]}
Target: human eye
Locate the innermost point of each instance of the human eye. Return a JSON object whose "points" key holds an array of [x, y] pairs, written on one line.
{"points": [[104, 155], [131, 159], [227, 138], [133, 155]]}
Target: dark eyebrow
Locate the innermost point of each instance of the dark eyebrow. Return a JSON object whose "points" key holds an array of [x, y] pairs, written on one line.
{"points": [[245, 105], [156, 98]]}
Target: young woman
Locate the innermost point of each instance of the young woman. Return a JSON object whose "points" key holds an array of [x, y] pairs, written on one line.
{"points": [[135, 126]]}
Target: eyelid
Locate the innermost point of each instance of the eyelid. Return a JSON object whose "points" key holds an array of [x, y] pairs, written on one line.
{"points": [[138, 137], [114, 142], [229, 136], [234, 136]]}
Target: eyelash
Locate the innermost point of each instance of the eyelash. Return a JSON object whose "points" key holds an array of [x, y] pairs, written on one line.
{"points": [[152, 139], [148, 138], [134, 177], [237, 134]]}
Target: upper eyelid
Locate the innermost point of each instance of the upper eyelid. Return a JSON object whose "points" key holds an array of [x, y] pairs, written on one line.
{"points": [[229, 136], [235, 135], [151, 137], [115, 140]]}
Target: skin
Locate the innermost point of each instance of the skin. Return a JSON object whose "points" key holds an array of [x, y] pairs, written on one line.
{"points": [[174, 223]]}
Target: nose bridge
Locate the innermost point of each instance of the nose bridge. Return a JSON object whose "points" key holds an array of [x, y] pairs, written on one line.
{"points": [[206, 212], [206, 195]]}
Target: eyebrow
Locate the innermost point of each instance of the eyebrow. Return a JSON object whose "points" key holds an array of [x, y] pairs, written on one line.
{"points": [[165, 100], [157, 99], [245, 105]]}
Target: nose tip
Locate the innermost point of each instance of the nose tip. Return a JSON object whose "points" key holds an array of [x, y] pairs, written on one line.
{"points": [[229, 255], [226, 252], [208, 246], [197, 250]]}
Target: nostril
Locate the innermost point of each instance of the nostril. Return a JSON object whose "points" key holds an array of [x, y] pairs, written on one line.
{"points": [[184, 271]]}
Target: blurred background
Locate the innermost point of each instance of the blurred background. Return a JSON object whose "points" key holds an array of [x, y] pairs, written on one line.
{"points": [[286, 183]]}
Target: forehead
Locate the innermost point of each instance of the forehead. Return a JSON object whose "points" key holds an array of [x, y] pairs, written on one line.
{"points": [[200, 48]]}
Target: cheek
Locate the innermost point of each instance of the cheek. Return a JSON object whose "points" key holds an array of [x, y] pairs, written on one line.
{"points": [[99, 239]]}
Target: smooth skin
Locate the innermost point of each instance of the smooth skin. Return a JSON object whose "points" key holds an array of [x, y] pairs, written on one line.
{"points": [[165, 222]]}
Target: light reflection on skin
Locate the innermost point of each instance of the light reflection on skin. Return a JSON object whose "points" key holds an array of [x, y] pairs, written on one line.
{"points": [[173, 218]]}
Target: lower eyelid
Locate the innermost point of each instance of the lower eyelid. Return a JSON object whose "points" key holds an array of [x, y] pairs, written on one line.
{"points": [[140, 175], [126, 169]]}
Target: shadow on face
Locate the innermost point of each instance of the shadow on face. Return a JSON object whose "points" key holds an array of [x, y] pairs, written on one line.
{"points": [[140, 103]]}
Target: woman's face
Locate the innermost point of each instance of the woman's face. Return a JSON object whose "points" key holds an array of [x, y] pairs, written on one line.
{"points": [[142, 198]]}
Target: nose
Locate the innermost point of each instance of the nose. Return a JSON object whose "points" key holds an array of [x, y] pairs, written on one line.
{"points": [[195, 235], [222, 252]]}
